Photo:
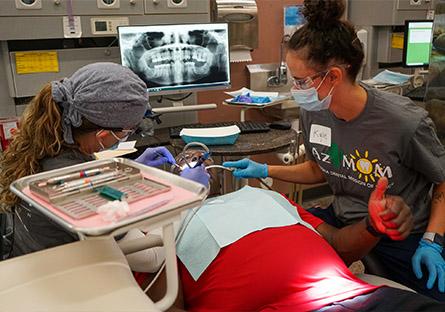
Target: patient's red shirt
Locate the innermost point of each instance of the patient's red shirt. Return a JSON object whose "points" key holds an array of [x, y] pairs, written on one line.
{"points": [[288, 268]]}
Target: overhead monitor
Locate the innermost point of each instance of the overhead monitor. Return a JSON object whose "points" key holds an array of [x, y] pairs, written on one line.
{"points": [[177, 58], [417, 43]]}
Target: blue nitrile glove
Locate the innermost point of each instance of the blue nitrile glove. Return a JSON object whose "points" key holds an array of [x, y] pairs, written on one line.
{"points": [[430, 254], [156, 156], [198, 174], [246, 168], [261, 99], [243, 98]]}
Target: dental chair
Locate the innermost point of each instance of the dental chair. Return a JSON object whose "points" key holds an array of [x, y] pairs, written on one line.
{"points": [[88, 275], [378, 280], [93, 273]]}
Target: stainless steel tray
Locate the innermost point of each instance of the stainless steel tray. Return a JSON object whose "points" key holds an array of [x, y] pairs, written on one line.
{"points": [[79, 194], [198, 194]]}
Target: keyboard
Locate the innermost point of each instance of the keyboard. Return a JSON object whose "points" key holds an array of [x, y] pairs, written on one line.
{"points": [[417, 93], [244, 126]]}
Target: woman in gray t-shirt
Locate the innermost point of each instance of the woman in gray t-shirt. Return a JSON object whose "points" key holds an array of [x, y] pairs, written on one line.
{"points": [[354, 136]]}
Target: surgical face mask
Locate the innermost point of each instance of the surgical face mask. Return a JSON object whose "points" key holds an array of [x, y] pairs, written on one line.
{"points": [[308, 99], [123, 139], [114, 146]]}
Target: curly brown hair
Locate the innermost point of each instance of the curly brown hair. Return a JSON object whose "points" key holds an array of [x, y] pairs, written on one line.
{"points": [[39, 135]]}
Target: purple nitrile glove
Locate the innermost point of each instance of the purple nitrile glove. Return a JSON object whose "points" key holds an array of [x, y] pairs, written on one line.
{"points": [[155, 157], [198, 174], [430, 254]]}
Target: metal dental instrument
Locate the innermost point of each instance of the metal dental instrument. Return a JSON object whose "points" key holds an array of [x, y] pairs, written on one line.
{"points": [[72, 176], [173, 164], [72, 185], [202, 159], [93, 184], [177, 166]]}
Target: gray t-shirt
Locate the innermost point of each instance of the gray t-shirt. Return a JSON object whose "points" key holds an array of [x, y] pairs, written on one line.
{"points": [[33, 231], [392, 137]]}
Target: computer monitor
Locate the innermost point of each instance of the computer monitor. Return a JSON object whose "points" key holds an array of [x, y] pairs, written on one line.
{"points": [[177, 58], [417, 43]]}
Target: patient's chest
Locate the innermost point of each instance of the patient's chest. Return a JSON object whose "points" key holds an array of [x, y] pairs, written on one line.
{"points": [[274, 267]]}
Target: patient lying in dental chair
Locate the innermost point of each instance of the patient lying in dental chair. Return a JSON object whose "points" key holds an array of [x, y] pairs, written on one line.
{"points": [[253, 250]]}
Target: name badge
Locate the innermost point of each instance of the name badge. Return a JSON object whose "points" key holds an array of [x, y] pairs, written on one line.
{"points": [[320, 135]]}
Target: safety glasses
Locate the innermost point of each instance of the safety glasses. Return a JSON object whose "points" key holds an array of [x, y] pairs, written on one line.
{"points": [[308, 82], [120, 135]]}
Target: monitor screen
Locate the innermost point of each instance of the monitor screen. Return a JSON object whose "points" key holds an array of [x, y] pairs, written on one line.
{"points": [[177, 58], [417, 43]]}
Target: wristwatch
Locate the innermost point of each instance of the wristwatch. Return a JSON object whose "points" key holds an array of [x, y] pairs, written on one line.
{"points": [[371, 229], [433, 237]]}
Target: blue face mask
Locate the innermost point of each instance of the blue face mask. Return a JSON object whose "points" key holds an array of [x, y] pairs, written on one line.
{"points": [[308, 99]]}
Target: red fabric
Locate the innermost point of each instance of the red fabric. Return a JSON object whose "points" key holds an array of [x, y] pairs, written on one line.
{"points": [[140, 277], [288, 268]]}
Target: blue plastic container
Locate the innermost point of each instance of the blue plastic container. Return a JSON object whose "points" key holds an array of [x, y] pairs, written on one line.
{"points": [[226, 140], [223, 135]]}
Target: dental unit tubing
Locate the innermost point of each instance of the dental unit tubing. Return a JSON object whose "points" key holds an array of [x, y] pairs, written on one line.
{"points": [[165, 110], [135, 245], [170, 267]]}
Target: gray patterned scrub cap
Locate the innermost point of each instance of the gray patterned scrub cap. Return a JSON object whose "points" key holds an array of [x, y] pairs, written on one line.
{"points": [[107, 94]]}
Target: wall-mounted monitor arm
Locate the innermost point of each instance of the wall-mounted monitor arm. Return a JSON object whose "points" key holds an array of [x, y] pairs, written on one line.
{"points": [[178, 109], [155, 113]]}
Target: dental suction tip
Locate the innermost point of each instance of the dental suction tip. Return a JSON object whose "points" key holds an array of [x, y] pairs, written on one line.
{"points": [[219, 167]]}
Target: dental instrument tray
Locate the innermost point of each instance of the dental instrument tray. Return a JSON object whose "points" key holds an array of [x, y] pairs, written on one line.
{"points": [[75, 196], [79, 193]]}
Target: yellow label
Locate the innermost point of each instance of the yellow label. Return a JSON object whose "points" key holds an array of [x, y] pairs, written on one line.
{"points": [[36, 62], [397, 41]]}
